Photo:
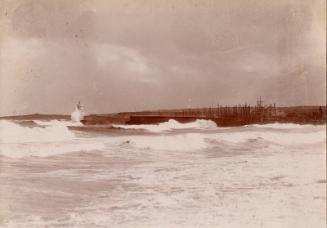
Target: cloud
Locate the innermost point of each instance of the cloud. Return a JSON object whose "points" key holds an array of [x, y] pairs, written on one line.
{"points": [[159, 53], [125, 61]]}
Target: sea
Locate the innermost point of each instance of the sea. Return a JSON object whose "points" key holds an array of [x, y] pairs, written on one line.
{"points": [[55, 173]]}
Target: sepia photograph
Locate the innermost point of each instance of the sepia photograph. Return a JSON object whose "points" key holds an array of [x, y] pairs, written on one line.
{"points": [[163, 114]]}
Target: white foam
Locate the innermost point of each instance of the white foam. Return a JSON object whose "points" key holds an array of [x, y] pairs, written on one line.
{"points": [[57, 123], [283, 188], [172, 125], [77, 115], [283, 125], [11, 132], [21, 141], [46, 149], [283, 138], [207, 140], [180, 142]]}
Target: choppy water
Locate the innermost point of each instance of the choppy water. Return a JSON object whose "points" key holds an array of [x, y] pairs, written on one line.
{"points": [[167, 175]]}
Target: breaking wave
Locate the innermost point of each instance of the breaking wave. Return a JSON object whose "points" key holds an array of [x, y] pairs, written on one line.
{"points": [[207, 140], [19, 150], [57, 123], [283, 125], [48, 138], [179, 142], [11, 132], [21, 141], [172, 125], [282, 138]]}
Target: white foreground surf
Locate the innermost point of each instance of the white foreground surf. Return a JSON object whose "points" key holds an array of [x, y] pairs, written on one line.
{"points": [[171, 175]]}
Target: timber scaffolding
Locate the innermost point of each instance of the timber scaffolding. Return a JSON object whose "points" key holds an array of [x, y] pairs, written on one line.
{"points": [[237, 115], [237, 111]]}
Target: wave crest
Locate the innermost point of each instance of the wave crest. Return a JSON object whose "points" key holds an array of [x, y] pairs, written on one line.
{"points": [[171, 125], [57, 123], [42, 141], [207, 140], [14, 133], [283, 125]]}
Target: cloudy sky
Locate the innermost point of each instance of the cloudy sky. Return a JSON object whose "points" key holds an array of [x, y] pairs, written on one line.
{"points": [[124, 55]]}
